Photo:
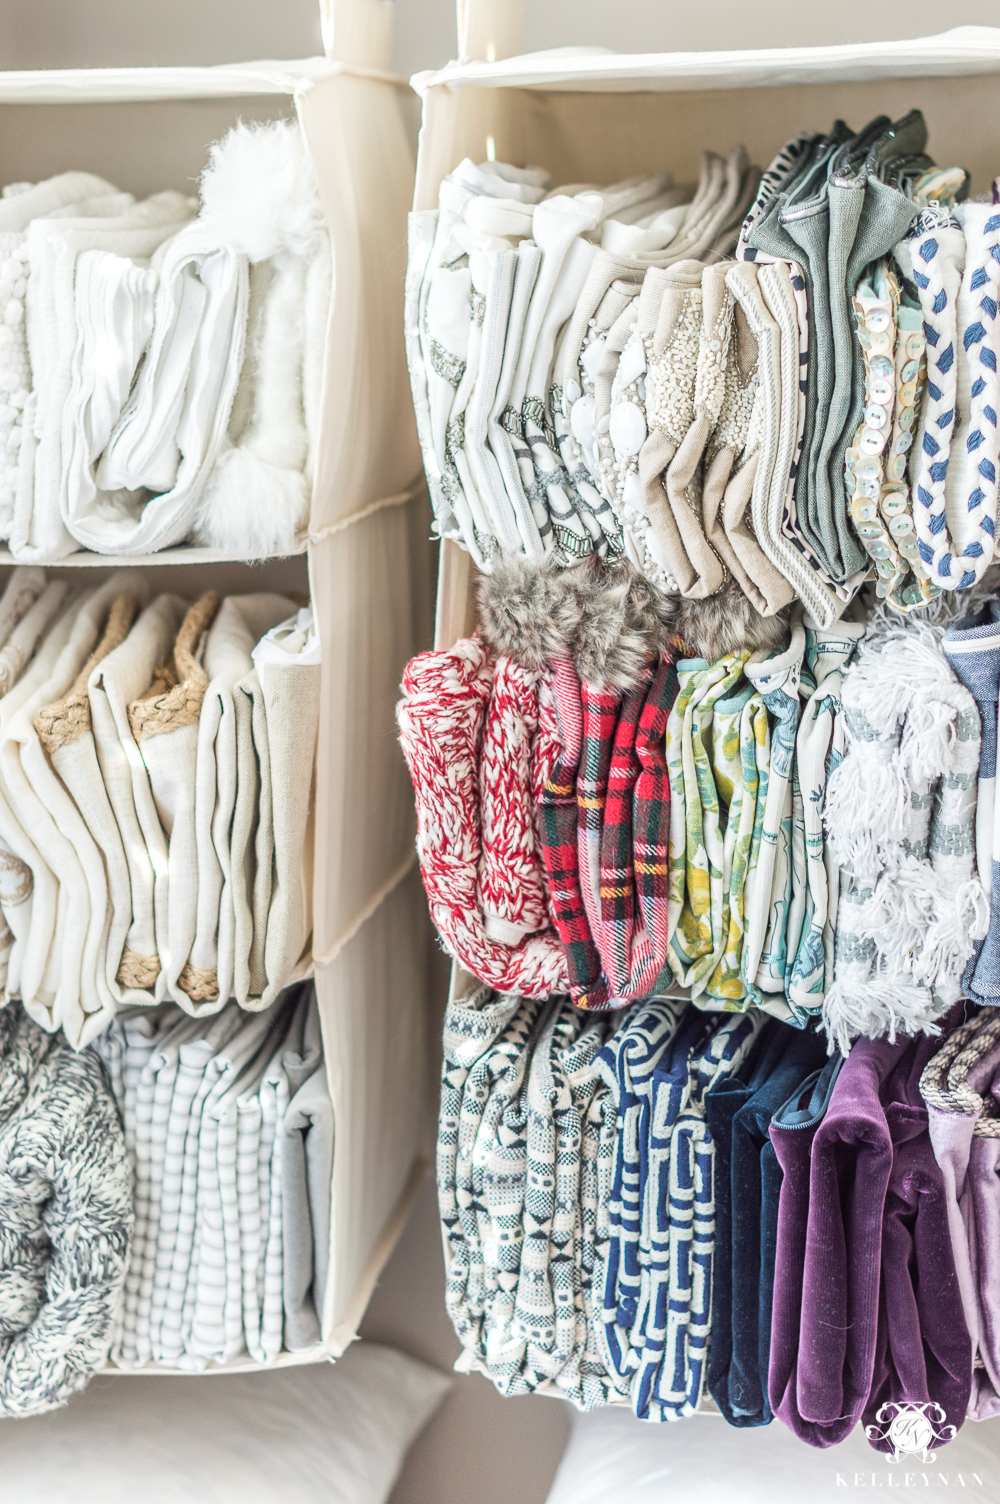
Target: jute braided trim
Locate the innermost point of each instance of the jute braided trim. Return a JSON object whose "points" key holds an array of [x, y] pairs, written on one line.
{"points": [[66, 720], [12, 661], [201, 985], [13, 657], [175, 696], [138, 971], [16, 880]]}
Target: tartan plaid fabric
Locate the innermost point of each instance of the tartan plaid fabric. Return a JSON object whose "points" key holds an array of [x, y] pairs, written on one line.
{"points": [[600, 720], [635, 837], [617, 862], [558, 822]]}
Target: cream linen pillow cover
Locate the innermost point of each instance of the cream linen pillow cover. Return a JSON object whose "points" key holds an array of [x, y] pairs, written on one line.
{"points": [[315, 1435], [613, 1458]]}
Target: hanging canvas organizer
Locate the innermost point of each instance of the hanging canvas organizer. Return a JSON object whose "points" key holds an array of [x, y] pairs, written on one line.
{"points": [[251, 366], [703, 732]]}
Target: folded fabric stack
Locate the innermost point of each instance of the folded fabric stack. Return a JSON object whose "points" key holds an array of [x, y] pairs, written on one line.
{"points": [[657, 1269], [867, 1302], [161, 362], [575, 1177], [519, 304], [156, 763], [900, 820], [750, 387], [833, 210], [739, 1110], [640, 1208], [605, 811], [525, 1140], [229, 1127], [961, 1087], [533, 883], [972, 647]]}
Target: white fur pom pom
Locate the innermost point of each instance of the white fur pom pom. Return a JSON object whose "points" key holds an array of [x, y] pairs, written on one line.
{"points": [[250, 508], [259, 191]]}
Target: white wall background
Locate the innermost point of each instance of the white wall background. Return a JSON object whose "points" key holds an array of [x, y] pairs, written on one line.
{"points": [[480, 1447], [84, 33]]}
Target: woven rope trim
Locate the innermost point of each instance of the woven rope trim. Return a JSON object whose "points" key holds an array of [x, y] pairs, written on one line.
{"points": [[138, 971], [944, 1083], [200, 984], [66, 720], [175, 696], [934, 1086], [966, 1099], [399, 499]]}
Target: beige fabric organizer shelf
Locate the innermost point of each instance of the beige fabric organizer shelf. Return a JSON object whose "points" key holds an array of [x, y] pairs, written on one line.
{"points": [[367, 564], [591, 116]]}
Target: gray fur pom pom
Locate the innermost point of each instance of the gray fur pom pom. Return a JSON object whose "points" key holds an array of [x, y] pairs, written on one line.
{"points": [[611, 619], [528, 610], [608, 617], [726, 622], [623, 621]]}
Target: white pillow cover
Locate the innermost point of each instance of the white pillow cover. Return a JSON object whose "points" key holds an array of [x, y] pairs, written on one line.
{"points": [[612, 1458], [319, 1434]]}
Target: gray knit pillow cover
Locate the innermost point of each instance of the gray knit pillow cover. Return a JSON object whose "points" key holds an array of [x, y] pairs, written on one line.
{"points": [[65, 1216]]}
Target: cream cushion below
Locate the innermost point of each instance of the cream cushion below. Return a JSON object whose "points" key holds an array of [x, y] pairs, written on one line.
{"points": [[613, 1458], [314, 1435]]}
